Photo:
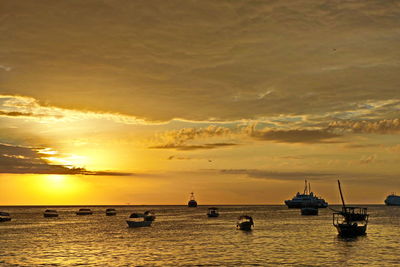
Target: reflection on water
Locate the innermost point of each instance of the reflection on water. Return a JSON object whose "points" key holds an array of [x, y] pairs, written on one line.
{"points": [[183, 236]]}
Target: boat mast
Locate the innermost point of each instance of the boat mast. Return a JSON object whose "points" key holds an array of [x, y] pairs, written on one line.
{"points": [[309, 188], [341, 195], [305, 187]]}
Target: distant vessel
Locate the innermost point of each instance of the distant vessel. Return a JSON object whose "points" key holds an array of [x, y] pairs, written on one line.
{"points": [[392, 200], [213, 212], [84, 212], [351, 221], [5, 216], [245, 223], [192, 202], [307, 199], [111, 212], [138, 220], [50, 213]]}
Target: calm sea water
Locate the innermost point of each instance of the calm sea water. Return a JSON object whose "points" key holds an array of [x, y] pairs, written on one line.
{"points": [[186, 236]]}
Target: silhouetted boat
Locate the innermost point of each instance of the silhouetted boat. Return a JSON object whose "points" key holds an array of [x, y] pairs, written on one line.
{"points": [[192, 202], [306, 199], [351, 221], [309, 211], [392, 200], [5, 216], [50, 213], [84, 212], [138, 220], [245, 223], [149, 216], [111, 212], [212, 212]]}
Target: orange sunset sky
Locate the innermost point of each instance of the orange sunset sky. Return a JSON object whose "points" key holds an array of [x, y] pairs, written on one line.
{"points": [[143, 102]]}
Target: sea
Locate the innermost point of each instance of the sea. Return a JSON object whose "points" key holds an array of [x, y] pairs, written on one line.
{"points": [[182, 236]]}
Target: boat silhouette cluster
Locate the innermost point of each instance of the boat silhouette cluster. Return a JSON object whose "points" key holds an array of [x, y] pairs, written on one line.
{"points": [[349, 221]]}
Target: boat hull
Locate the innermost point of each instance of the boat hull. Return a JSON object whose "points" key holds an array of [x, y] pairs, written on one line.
{"points": [[133, 224], [49, 215], [5, 219], [298, 205], [351, 230], [111, 213], [212, 215], [245, 226], [392, 200], [309, 211]]}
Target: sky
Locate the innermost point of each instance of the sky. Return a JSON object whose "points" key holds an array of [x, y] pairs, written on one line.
{"points": [[143, 102]]}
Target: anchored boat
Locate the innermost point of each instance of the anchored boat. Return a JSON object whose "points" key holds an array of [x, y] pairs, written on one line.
{"points": [[192, 202], [138, 220], [84, 212], [245, 223], [5, 216], [212, 212], [111, 212], [50, 213], [307, 199], [351, 221], [309, 211], [392, 200]]}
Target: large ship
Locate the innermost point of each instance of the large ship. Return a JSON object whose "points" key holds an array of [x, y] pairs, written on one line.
{"points": [[392, 200], [307, 199]]}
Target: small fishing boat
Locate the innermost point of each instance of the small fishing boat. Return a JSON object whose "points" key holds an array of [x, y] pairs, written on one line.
{"points": [[84, 212], [111, 212], [351, 221], [309, 211], [50, 213], [192, 202], [5, 216], [245, 223], [212, 212], [138, 220], [149, 216]]}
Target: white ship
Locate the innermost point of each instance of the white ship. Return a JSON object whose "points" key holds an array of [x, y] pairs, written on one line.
{"points": [[392, 200], [307, 199]]}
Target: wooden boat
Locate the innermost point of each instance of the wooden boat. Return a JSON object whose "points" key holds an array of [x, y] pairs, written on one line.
{"points": [[84, 212], [149, 216], [351, 221], [245, 223], [5, 216], [309, 211], [192, 202], [212, 212], [50, 213], [111, 212], [138, 220]]}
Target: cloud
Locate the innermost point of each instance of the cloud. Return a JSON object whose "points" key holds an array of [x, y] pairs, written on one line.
{"points": [[29, 160], [193, 138], [368, 159], [295, 136], [274, 175], [202, 60], [6, 68], [194, 147], [387, 126]]}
